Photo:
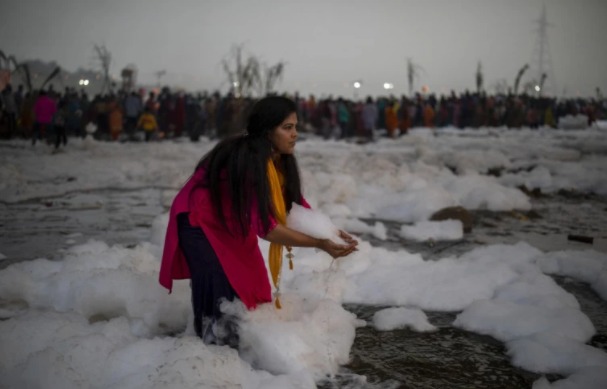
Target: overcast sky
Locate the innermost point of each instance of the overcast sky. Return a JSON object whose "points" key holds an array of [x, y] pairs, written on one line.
{"points": [[327, 45]]}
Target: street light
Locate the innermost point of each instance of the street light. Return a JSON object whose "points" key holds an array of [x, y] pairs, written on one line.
{"points": [[388, 85], [357, 85], [83, 82], [537, 88]]}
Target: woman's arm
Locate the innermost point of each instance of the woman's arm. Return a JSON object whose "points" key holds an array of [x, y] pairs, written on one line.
{"points": [[288, 237]]}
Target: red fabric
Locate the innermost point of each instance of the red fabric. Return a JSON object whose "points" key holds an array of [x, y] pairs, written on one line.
{"points": [[239, 256], [44, 109]]}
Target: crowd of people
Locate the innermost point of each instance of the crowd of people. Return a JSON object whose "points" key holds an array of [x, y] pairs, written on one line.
{"points": [[161, 114]]}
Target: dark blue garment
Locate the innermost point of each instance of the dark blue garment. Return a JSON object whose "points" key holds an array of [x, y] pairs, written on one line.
{"points": [[209, 284]]}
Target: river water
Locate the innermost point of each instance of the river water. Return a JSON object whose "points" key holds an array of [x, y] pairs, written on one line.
{"points": [[447, 358]]}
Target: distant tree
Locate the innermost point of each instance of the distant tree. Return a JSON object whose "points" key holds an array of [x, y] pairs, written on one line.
{"points": [[501, 87], [50, 77], [104, 59], [7, 60], [247, 74], [519, 75], [243, 75], [10, 63], [528, 87], [479, 78], [272, 75]]}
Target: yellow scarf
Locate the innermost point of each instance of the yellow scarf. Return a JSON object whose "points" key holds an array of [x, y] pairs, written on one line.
{"points": [[276, 181]]}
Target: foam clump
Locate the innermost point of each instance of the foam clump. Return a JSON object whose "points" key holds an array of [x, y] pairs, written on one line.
{"points": [[312, 222], [435, 230], [305, 335], [397, 318]]}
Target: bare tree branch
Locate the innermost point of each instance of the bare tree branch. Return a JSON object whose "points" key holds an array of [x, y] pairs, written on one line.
{"points": [[479, 78], [51, 76], [247, 74], [273, 75], [412, 73], [105, 59], [519, 75], [22, 68]]}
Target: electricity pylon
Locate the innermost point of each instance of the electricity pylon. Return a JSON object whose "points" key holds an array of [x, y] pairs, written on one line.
{"points": [[542, 71]]}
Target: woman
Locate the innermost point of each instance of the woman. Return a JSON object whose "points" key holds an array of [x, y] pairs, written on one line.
{"points": [[115, 118], [59, 125], [44, 110], [147, 122], [241, 189], [391, 118]]}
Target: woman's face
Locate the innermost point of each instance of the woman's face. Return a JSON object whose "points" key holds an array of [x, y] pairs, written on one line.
{"points": [[284, 136]]}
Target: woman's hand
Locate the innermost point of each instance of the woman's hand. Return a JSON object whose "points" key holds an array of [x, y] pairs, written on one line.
{"points": [[288, 237], [347, 237], [337, 250]]}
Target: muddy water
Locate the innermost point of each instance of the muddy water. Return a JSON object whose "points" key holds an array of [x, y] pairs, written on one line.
{"points": [[448, 358], [453, 358], [46, 226]]}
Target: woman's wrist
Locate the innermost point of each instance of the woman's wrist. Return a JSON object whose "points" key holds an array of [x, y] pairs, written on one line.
{"points": [[319, 244], [316, 243]]}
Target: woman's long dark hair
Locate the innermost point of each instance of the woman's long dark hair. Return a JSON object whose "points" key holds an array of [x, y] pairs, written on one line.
{"points": [[242, 161]]}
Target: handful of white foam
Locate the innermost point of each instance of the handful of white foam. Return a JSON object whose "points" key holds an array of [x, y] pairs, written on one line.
{"points": [[314, 223]]}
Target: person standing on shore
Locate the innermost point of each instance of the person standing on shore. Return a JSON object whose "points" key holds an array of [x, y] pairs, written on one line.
{"points": [[44, 110]]}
